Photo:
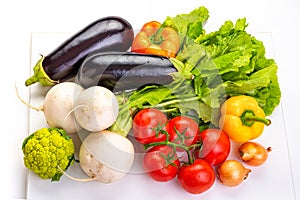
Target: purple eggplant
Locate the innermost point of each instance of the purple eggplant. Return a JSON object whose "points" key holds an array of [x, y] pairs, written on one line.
{"points": [[123, 71], [106, 34]]}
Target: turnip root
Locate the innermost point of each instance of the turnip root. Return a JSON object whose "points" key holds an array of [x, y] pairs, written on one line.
{"points": [[96, 108], [58, 106], [106, 156]]}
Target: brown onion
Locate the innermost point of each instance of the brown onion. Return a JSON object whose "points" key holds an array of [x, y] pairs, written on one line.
{"points": [[232, 173], [253, 153]]}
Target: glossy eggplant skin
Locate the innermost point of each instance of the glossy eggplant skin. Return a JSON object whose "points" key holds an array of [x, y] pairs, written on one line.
{"points": [[106, 34], [123, 71]]}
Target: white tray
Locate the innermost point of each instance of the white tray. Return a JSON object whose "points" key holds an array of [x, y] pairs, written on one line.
{"points": [[273, 180]]}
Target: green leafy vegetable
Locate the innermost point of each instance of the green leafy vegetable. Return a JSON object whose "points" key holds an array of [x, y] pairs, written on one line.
{"points": [[231, 62], [189, 25], [211, 67]]}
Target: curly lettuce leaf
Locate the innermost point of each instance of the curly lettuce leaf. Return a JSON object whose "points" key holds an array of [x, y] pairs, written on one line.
{"points": [[189, 25], [231, 62]]}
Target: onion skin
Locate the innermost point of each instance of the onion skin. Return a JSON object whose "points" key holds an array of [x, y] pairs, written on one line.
{"points": [[253, 154], [232, 173]]}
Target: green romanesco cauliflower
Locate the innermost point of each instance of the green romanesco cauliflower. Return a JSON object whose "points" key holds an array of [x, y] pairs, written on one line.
{"points": [[45, 150]]}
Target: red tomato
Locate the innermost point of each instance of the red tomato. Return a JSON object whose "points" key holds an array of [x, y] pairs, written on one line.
{"points": [[184, 130], [215, 146], [146, 124], [197, 177], [161, 163]]}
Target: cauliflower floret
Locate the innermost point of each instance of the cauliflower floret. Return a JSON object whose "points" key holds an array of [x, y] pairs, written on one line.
{"points": [[45, 150]]}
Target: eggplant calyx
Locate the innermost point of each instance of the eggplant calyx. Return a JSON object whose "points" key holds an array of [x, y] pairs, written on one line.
{"points": [[40, 75]]}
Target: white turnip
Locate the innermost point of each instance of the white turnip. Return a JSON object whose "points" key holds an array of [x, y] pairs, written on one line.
{"points": [[96, 108], [58, 106], [106, 156]]}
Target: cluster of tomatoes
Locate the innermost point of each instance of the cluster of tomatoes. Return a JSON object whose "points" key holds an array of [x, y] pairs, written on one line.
{"points": [[167, 141]]}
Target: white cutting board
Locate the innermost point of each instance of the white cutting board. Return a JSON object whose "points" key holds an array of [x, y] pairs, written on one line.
{"points": [[273, 180]]}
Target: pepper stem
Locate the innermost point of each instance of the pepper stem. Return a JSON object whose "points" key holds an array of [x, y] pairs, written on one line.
{"points": [[248, 118], [40, 75], [158, 35]]}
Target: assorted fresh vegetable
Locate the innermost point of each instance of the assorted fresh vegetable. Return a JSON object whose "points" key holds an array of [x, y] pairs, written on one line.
{"points": [[184, 94], [211, 77], [105, 34], [194, 175]]}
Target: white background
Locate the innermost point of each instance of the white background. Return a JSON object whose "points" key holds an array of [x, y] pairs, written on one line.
{"points": [[19, 19]]}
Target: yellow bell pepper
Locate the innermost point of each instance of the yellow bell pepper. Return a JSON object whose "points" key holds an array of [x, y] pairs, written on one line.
{"points": [[242, 118]]}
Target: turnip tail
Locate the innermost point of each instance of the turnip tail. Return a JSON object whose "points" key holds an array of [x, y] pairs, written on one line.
{"points": [[26, 103], [76, 179], [58, 103], [72, 111]]}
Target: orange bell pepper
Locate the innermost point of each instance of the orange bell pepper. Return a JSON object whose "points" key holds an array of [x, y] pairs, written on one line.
{"points": [[156, 39], [242, 118]]}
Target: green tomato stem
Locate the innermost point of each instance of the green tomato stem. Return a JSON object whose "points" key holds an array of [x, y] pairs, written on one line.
{"points": [[174, 145]]}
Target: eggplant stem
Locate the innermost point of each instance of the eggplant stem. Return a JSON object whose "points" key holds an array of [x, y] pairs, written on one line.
{"points": [[40, 75]]}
